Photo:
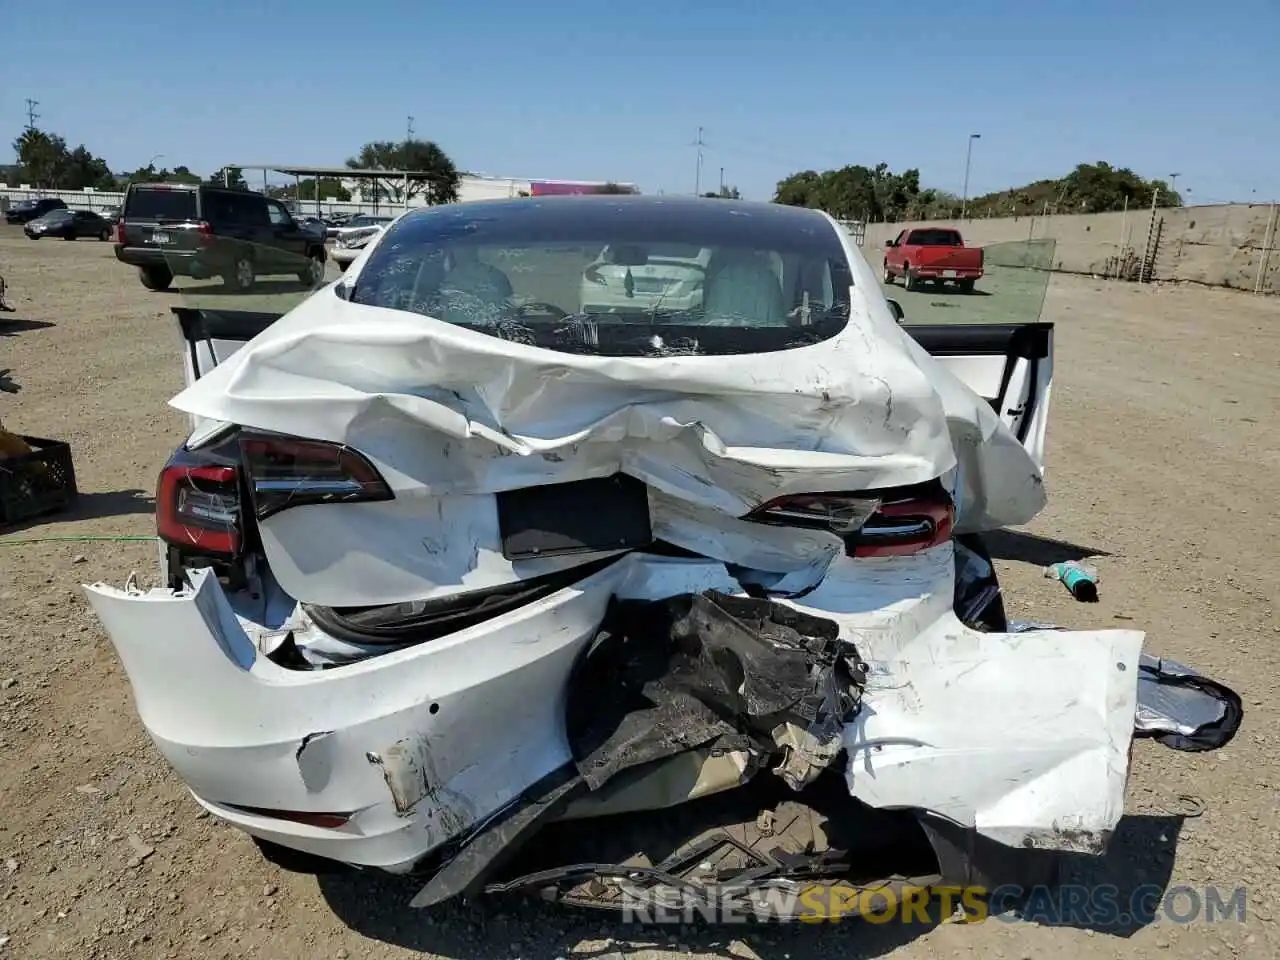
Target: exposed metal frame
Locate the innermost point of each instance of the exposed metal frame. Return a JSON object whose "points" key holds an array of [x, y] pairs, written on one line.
{"points": [[298, 171]]}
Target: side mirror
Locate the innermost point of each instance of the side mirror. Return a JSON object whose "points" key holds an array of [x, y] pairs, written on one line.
{"points": [[888, 243], [896, 309]]}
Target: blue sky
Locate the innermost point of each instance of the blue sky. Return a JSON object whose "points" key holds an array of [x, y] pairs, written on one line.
{"points": [[568, 89]]}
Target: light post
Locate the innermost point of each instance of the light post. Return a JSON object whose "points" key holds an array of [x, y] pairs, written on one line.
{"points": [[968, 157]]}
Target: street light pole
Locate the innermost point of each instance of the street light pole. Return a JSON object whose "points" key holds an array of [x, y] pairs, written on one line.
{"points": [[968, 157]]}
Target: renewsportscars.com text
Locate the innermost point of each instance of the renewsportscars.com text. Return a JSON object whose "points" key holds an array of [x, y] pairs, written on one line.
{"points": [[1070, 904]]}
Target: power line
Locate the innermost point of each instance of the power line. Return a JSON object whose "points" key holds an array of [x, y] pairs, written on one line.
{"points": [[32, 116], [697, 177]]}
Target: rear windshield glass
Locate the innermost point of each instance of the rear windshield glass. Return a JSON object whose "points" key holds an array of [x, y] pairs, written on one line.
{"points": [[935, 238], [150, 203], [594, 275]]}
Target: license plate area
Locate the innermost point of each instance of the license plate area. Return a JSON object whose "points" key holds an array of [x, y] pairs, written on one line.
{"points": [[949, 274], [584, 516], [159, 236]]}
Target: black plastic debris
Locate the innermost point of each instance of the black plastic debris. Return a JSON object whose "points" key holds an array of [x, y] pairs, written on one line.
{"points": [[1184, 710], [672, 675]]}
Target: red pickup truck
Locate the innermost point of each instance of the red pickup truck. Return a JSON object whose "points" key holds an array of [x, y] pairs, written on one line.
{"points": [[932, 253]]}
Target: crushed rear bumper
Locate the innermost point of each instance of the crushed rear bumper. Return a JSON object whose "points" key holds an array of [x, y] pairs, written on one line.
{"points": [[1018, 740]]}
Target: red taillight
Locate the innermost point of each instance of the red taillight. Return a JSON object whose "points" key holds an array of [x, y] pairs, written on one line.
{"points": [[119, 231], [198, 508], [204, 232], [284, 472], [904, 527], [879, 524]]}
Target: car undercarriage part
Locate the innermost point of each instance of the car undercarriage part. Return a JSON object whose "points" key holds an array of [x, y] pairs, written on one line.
{"points": [[703, 690], [979, 602], [735, 851]]}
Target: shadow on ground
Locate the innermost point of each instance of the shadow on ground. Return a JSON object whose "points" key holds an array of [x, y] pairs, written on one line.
{"points": [[1121, 892], [10, 327], [1033, 549], [1116, 894], [90, 506]]}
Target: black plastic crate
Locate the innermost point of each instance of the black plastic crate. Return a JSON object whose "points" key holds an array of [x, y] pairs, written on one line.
{"points": [[42, 481]]}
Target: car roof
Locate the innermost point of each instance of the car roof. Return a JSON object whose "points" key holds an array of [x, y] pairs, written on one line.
{"points": [[163, 185], [653, 218]]}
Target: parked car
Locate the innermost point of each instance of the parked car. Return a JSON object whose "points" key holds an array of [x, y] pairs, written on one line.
{"points": [[206, 231], [111, 214], [670, 276], [352, 243], [69, 225], [357, 222], [935, 254], [352, 240], [24, 211], [690, 599]]}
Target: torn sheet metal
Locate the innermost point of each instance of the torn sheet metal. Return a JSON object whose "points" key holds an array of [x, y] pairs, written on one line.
{"points": [[1023, 737], [409, 740]]}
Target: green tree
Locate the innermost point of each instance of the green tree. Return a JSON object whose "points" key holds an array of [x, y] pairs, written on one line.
{"points": [[45, 161], [149, 174], [1089, 188], [434, 176], [853, 192], [83, 169], [232, 177], [42, 158]]}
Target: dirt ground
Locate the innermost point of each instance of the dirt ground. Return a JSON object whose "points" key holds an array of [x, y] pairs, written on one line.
{"points": [[1162, 458]]}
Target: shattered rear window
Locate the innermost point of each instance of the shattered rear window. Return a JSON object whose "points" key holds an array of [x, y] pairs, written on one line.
{"points": [[618, 276]]}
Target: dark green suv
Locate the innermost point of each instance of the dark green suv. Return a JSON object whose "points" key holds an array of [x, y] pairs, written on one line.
{"points": [[204, 231]]}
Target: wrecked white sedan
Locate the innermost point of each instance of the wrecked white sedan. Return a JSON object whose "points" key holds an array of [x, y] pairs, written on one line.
{"points": [[468, 579]]}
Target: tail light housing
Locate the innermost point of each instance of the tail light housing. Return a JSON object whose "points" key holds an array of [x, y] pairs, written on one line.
{"points": [[889, 523], [200, 498], [120, 229], [198, 507], [284, 472], [204, 233], [903, 527]]}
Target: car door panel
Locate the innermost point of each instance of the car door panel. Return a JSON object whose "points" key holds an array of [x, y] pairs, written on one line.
{"points": [[211, 336], [1010, 365]]}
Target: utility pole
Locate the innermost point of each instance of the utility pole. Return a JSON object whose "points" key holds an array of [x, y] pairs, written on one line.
{"points": [[409, 131], [32, 116], [722, 181], [697, 177], [968, 157]]}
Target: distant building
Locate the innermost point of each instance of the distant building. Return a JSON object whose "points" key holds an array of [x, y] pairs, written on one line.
{"points": [[476, 186]]}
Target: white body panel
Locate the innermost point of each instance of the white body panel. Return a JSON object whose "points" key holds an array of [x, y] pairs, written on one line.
{"points": [[1024, 737]]}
